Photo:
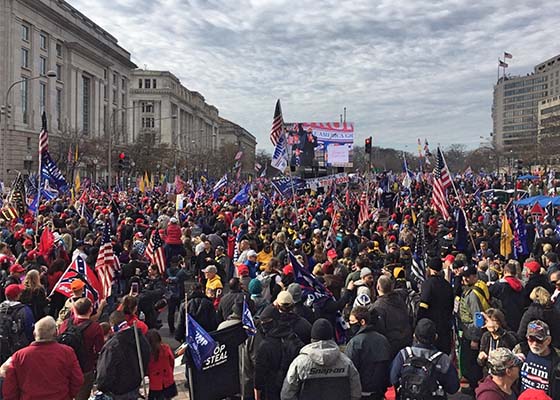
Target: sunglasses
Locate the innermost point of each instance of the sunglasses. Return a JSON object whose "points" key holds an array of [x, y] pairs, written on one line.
{"points": [[535, 340]]}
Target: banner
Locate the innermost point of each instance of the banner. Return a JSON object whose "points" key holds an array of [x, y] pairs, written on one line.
{"points": [[201, 344], [284, 185], [327, 181], [219, 376], [320, 143], [51, 173]]}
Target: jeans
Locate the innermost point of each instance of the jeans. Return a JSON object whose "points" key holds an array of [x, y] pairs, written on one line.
{"points": [[133, 395]]}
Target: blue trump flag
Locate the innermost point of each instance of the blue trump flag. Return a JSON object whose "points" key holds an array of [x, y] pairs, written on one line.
{"points": [[51, 173], [287, 186], [201, 344], [247, 321], [520, 246], [461, 234], [242, 197]]}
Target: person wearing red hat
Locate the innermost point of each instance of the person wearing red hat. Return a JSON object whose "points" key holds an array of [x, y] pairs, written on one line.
{"points": [[14, 313], [536, 277], [16, 272]]}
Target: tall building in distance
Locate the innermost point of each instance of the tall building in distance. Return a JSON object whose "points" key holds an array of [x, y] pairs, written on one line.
{"points": [[44, 37], [515, 110]]}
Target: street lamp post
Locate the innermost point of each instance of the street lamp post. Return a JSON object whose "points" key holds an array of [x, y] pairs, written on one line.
{"points": [[49, 74]]}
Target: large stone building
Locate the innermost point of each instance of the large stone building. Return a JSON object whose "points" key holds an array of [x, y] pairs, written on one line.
{"points": [[234, 139], [90, 88], [548, 133], [515, 109], [164, 113]]}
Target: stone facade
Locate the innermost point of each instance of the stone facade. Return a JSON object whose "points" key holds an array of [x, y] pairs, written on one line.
{"points": [[233, 135], [92, 82]]}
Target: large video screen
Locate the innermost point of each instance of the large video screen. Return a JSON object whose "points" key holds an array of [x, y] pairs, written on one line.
{"points": [[324, 144]]}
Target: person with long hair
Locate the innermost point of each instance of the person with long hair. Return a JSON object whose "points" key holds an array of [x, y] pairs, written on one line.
{"points": [[34, 294], [129, 306], [160, 368]]}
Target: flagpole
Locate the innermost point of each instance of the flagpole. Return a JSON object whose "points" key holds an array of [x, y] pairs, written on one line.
{"points": [[44, 121], [460, 203], [139, 353]]}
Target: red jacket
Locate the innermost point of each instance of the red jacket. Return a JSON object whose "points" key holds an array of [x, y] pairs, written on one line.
{"points": [[43, 370], [173, 234], [142, 327], [160, 371], [93, 341]]}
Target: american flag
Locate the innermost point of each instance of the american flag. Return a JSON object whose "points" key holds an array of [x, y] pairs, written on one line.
{"points": [[44, 135], [107, 263], [507, 55], [155, 253], [442, 181], [363, 216], [79, 270], [17, 195], [419, 257], [277, 124]]}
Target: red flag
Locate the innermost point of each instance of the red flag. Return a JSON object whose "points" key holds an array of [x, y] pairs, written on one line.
{"points": [[46, 243]]}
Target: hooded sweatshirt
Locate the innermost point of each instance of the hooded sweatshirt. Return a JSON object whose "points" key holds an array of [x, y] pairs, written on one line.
{"points": [[488, 390], [509, 291], [328, 374]]}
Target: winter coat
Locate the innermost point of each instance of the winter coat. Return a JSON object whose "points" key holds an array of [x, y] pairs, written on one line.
{"points": [[509, 291], [118, 371], [43, 370], [533, 282], [505, 339], [371, 354], [488, 390], [327, 373], [548, 314], [554, 377], [300, 325], [160, 371], [173, 234], [393, 321], [227, 302], [202, 310]]}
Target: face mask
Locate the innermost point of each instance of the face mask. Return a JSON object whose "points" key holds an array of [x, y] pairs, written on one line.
{"points": [[354, 328]]}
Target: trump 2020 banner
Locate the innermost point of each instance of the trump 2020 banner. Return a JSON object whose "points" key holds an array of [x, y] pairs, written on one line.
{"points": [[320, 143]]}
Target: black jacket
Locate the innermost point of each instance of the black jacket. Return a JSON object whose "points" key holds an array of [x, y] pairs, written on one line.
{"points": [[202, 310], [393, 321], [118, 370], [511, 296], [533, 282], [226, 304], [371, 354], [300, 326]]}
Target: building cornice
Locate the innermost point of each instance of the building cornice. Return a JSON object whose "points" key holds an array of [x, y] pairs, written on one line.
{"points": [[93, 56], [67, 24]]}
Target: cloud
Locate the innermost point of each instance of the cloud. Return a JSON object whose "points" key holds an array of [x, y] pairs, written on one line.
{"points": [[403, 69]]}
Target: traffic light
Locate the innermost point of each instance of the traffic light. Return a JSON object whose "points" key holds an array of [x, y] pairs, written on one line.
{"points": [[368, 145], [126, 163], [121, 161], [6, 111]]}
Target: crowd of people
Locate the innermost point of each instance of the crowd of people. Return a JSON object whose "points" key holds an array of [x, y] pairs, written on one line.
{"points": [[363, 291]]}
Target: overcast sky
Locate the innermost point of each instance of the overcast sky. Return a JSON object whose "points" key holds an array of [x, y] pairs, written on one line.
{"points": [[403, 69]]}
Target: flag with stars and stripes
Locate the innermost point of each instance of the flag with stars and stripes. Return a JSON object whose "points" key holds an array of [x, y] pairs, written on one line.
{"points": [[107, 264], [43, 135], [442, 181], [277, 130], [79, 270], [155, 252], [419, 256], [17, 195]]}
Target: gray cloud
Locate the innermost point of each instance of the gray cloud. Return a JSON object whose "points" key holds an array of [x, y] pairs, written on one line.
{"points": [[404, 69]]}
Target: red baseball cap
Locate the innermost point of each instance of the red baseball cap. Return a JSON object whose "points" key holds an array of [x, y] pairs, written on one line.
{"points": [[332, 253], [449, 257], [534, 394], [16, 268], [13, 291], [533, 266]]}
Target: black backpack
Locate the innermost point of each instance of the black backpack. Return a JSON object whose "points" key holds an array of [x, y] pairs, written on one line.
{"points": [[12, 330], [417, 381], [290, 347], [73, 337]]}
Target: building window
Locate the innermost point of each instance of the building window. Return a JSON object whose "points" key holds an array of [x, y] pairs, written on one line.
{"points": [[154, 83], [24, 58], [105, 120], [105, 92], [123, 100], [43, 41], [28, 144], [24, 99], [59, 72], [147, 108], [25, 32], [148, 122], [59, 49], [42, 96], [105, 74], [85, 104], [123, 84], [146, 83], [115, 96], [42, 65], [139, 83], [59, 109]]}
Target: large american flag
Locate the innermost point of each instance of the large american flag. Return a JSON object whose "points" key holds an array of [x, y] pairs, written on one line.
{"points": [[363, 216], [107, 263], [442, 181], [155, 252], [277, 129], [44, 135], [419, 257]]}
